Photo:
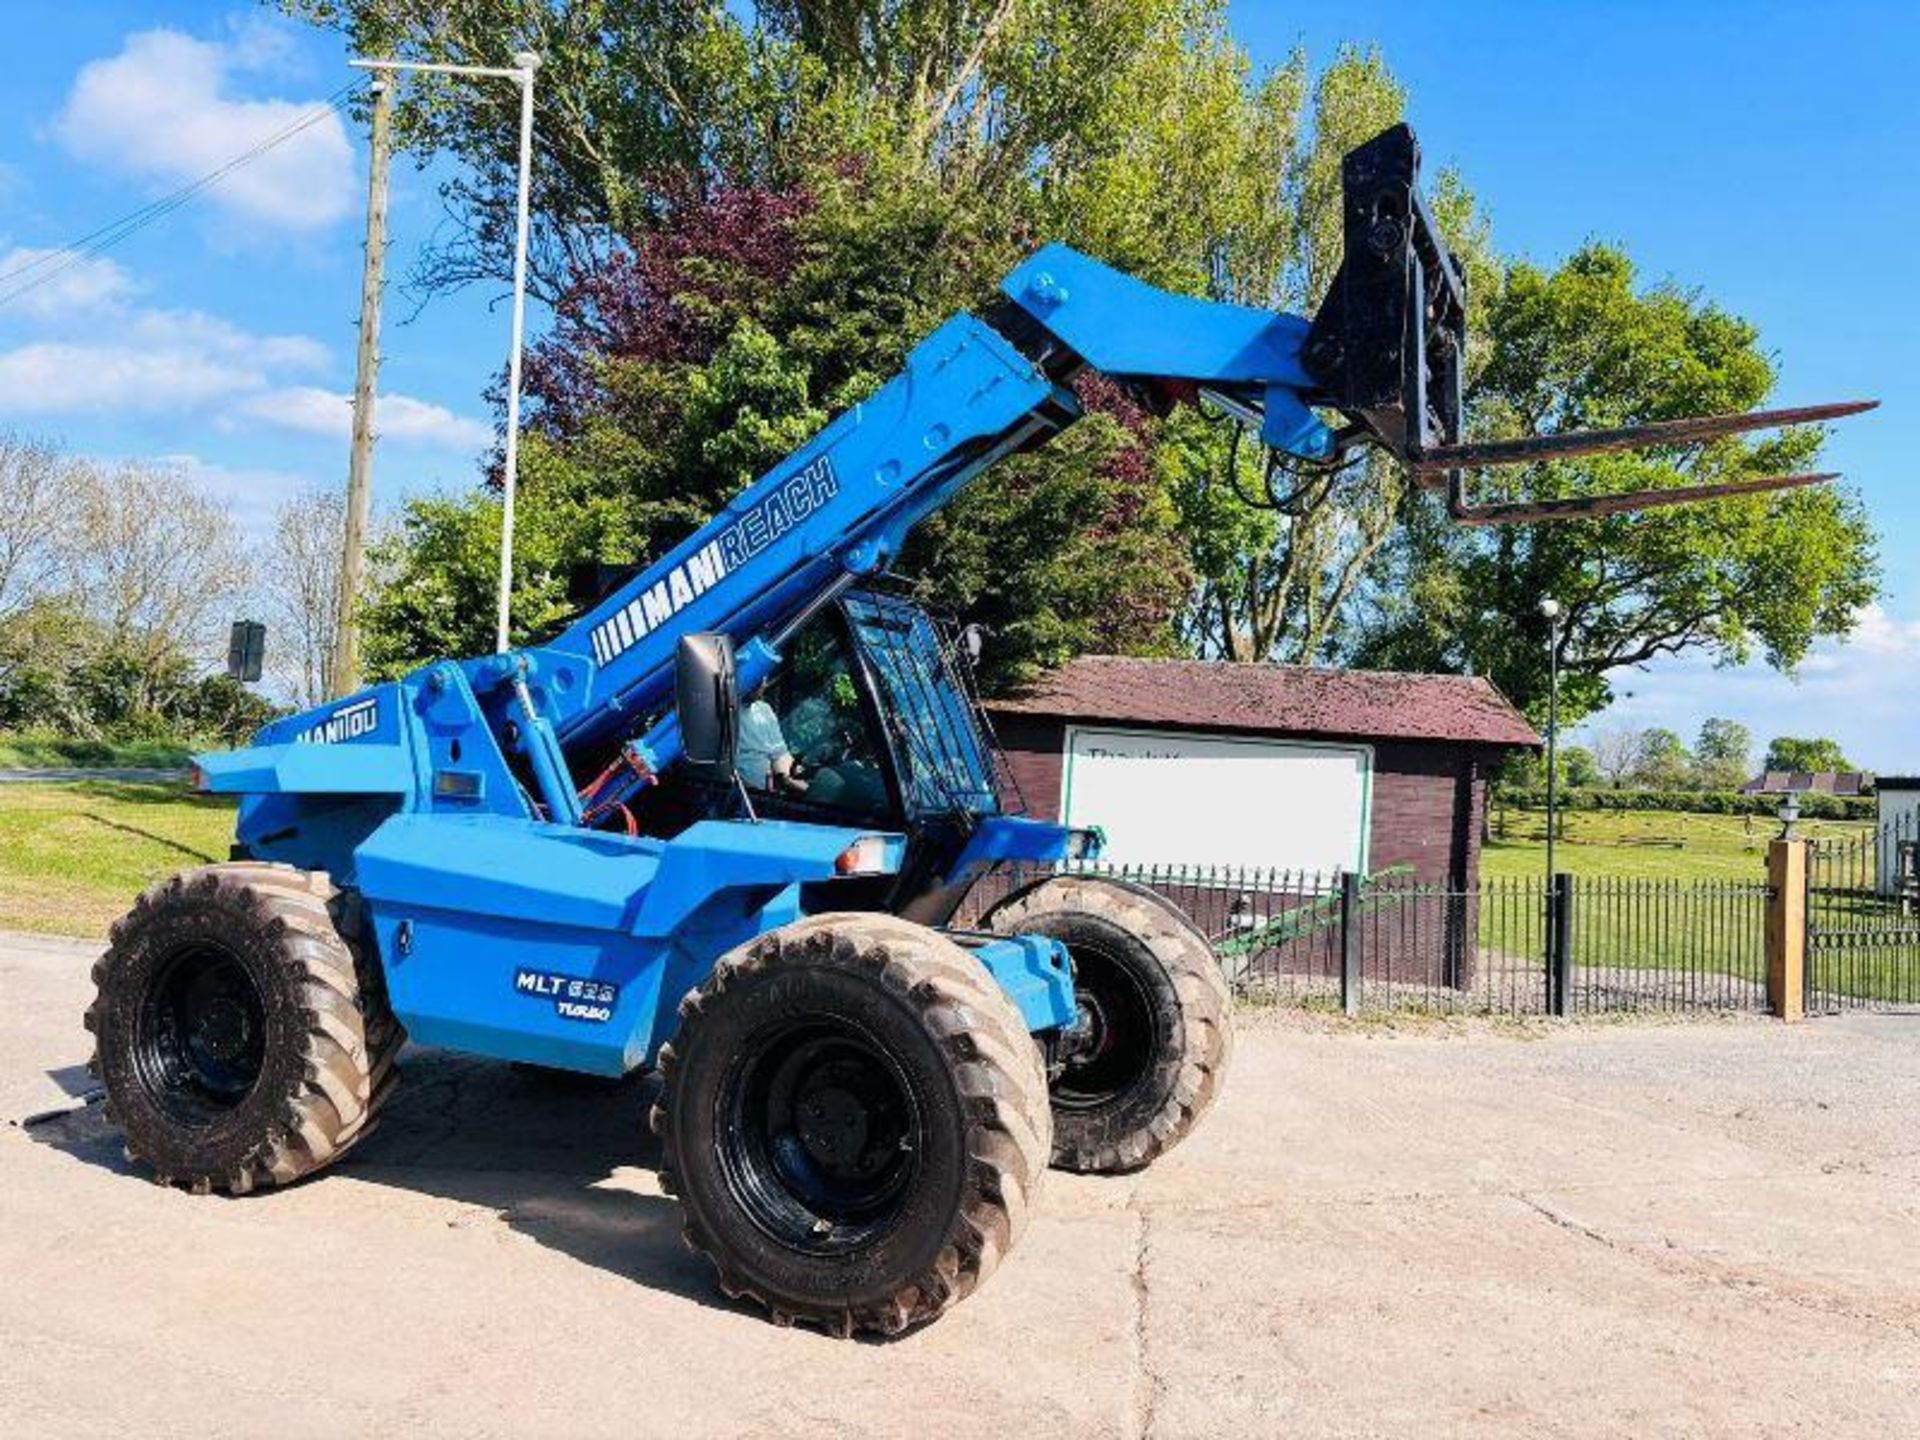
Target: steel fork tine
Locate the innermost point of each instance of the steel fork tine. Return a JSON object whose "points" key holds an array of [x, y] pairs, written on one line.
{"points": [[1529, 448], [1587, 507]]}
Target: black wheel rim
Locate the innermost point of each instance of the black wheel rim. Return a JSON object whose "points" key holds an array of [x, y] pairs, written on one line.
{"points": [[202, 1034], [821, 1138], [1116, 1054]]}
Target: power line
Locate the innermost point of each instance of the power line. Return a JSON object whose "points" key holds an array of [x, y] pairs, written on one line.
{"points": [[166, 203], [96, 242]]}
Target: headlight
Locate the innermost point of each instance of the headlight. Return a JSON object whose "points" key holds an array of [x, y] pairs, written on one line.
{"points": [[866, 856]]}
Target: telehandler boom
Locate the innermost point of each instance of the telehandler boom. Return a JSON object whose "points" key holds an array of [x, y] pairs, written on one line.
{"points": [[593, 854]]}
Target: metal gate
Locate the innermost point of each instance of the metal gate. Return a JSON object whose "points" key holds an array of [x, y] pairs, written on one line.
{"points": [[1863, 921]]}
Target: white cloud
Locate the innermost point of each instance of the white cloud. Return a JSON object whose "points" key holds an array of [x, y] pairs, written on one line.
{"points": [[263, 42], [195, 330], [87, 351], [1858, 691], [159, 111], [99, 355], [399, 418], [62, 282], [63, 379], [1876, 635], [253, 495]]}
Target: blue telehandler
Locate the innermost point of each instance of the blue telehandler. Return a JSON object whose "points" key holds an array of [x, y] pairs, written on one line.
{"points": [[721, 824]]}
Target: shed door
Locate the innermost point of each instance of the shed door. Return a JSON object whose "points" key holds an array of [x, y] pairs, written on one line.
{"points": [[1168, 798]]}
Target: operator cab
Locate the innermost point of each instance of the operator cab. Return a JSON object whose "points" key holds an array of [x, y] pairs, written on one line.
{"points": [[870, 721]]}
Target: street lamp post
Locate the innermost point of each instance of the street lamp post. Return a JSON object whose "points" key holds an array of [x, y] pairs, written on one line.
{"points": [[1550, 608], [1557, 978], [521, 73]]}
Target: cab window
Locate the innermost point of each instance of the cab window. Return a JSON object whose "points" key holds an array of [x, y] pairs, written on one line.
{"points": [[805, 741]]}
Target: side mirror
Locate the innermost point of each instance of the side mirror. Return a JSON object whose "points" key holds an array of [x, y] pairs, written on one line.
{"points": [[973, 641], [707, 700]]}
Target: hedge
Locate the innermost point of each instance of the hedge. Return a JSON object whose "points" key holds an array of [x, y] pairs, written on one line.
{"points": [[1696, 802]]}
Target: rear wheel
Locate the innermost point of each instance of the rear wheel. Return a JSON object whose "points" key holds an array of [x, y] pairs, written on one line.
{"points": [[1153, 1033], [239, 1042], [854, 1119]]}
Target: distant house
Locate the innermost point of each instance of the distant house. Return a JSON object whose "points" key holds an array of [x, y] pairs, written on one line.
{"points": [[1817, 782], [1288, 767]]}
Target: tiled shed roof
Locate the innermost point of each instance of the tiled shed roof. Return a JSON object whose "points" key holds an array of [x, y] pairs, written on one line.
{"points": [[1275, 699]]}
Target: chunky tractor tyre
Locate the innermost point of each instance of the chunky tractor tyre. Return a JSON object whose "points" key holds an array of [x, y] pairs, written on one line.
{"points": [[1156, 1009], [854, 1118], [239, 1041]]}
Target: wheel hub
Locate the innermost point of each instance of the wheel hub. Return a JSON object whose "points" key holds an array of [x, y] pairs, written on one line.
{"points": [[822, 1140], [201, 1037], [834, 1124], [223, 1030], [1107, 1051]]}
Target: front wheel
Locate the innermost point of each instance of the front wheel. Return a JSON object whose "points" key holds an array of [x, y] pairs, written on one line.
{"points": [[854, 1119], [1153, 1033], [239, 1037]]}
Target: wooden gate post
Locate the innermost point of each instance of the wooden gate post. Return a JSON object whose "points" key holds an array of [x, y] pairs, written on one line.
{"points": [[1787, 929]]}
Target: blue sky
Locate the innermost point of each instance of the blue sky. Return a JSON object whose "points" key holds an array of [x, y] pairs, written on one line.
{"points": [[1764, 152], [221, 337]]}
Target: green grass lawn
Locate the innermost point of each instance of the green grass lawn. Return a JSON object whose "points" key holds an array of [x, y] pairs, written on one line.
{"points": [[1640, 903], [1654, 891], [72, 857], [36, 750], [1641, 844]]}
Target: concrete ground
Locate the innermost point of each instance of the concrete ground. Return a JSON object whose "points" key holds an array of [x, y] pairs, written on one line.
{"points": [[1677, 1229]]}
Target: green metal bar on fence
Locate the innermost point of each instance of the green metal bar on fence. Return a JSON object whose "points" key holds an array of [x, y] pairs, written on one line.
{"points": [[1320, 913]]}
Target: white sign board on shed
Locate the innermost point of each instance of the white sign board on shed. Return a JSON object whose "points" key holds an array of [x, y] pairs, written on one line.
{"points": [[1170, 798]]}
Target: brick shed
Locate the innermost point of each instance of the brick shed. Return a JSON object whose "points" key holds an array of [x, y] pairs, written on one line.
{"points": [[1282, 766]]}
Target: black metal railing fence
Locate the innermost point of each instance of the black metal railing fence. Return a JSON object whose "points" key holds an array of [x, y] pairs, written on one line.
{"points": [[1504, 946], [1863, 918]]}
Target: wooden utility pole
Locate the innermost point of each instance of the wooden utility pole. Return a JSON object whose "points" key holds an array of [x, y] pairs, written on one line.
{"points": [[345, 676]]}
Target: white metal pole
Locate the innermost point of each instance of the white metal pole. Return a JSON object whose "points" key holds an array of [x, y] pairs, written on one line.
{"points": [[527, 63]]}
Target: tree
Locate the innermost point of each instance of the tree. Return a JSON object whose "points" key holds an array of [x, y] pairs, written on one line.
{"points": [[1722, 754], [1662, 762], [745, 214], [438, 569], [158, 570], [1584, 345], [645, 100], [1578, 769], [117, 584], [45, 645], [1812, 756], [301, 583], [37, 521], [1616, 751]]}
